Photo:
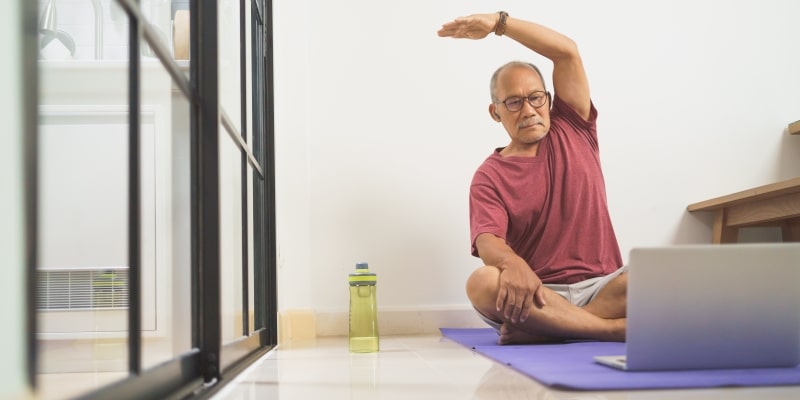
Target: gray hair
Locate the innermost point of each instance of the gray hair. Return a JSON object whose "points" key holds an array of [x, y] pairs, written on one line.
{"points": [[493, 81]]}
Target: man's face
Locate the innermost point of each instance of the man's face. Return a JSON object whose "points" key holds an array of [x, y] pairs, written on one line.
{"points": [[529, 124]]}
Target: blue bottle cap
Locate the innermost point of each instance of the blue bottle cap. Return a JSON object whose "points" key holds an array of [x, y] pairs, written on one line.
{"points": [[362, 276]]}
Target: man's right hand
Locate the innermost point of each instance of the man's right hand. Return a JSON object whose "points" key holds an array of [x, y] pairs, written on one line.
{"points": [[520, 289]]}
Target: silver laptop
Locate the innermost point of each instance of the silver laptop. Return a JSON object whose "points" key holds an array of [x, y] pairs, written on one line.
{"points": [[711, 307]]}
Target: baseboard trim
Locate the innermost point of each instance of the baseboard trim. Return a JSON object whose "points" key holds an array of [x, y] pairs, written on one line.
{"points": [[309, 324], [296, 325]]}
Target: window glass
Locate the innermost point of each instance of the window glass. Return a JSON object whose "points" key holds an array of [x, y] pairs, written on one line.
{"points": [[230, 47], [82, 273], [230, 165], [13, 337], [165, 218], [250, 252]]}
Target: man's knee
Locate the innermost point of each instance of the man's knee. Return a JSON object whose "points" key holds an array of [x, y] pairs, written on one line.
{"points": [[615, 290], [610, 301], [619, 285], [482, 288]]}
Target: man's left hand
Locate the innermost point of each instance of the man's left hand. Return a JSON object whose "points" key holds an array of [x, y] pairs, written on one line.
{"points": [[476, 26]]}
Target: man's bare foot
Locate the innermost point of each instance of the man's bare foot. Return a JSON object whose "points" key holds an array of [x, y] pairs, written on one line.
{"points": [[511, 335]]}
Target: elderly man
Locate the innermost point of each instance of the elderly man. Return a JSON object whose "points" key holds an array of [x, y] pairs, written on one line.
{"points": [[539, 217]]}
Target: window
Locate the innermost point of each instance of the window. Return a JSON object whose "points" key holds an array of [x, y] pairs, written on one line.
{"points": [[155, 226]]}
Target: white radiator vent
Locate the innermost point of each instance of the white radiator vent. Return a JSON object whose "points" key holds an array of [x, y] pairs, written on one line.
{"points": [[82, 289]]}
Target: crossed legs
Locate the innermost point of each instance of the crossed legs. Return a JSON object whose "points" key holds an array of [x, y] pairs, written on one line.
{"points": [[603, 318]]}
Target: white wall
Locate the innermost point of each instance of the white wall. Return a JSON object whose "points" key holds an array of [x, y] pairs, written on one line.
{"points": [[380, 125]]}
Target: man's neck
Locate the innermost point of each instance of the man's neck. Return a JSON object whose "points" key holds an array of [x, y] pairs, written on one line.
{"points": [[516, 150]]}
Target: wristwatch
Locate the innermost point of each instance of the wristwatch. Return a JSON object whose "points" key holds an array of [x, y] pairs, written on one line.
{"points": [[500, 28]]}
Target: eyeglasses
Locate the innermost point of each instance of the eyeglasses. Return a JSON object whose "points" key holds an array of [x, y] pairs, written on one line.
{"points": [[515, 103]]}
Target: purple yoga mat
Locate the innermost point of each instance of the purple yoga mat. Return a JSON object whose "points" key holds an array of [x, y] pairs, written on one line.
{"points": [[571, 366]]}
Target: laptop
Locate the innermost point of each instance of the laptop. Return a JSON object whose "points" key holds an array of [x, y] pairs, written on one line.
{"points": [[712, 307]]}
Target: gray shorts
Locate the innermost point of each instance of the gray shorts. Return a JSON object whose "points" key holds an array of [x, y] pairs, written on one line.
{"points": [[579, 294]]}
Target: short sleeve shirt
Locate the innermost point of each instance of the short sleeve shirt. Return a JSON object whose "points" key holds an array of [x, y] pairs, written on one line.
{"points": [[551, 209]]}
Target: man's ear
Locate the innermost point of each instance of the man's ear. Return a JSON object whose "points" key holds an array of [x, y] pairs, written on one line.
{"points": [[493, 112]]}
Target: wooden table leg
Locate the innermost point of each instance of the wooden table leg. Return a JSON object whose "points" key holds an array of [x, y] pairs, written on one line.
{"points": [[721, 232], [791, 230]]}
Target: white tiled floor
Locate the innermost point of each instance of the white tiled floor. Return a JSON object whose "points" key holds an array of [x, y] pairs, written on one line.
{"points": [[423, 367]]}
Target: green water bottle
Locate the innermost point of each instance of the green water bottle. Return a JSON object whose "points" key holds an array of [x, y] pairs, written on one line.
{"points": [[363, 310]]}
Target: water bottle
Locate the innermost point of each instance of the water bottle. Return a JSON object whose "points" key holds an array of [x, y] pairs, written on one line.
{"points": [[363, 310]]}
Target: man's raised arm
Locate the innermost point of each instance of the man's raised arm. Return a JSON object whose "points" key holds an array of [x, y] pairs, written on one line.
{"points": [[569, 77]]}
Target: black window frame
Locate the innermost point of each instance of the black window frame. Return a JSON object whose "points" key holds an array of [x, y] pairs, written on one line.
{"points": [[209, 365]]}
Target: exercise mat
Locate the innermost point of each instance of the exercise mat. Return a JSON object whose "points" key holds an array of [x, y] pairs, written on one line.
{"points": [[571, 366]]}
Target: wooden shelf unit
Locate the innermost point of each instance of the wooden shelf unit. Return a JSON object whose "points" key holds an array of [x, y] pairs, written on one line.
{"points": [[776, 204], [794, 128]]}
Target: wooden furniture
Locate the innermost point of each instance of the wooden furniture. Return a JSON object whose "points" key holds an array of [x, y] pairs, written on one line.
{"points": [[794, 128], [776, 204]]}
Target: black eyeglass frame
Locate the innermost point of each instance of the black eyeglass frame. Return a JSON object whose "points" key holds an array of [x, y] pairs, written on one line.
{"points": [[529, 98]]}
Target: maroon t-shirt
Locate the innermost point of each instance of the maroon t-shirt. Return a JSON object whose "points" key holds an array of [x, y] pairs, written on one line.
{"points": [[551, 209]]}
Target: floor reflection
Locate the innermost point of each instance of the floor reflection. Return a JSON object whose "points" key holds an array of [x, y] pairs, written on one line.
{"points": [[501, 382]]}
